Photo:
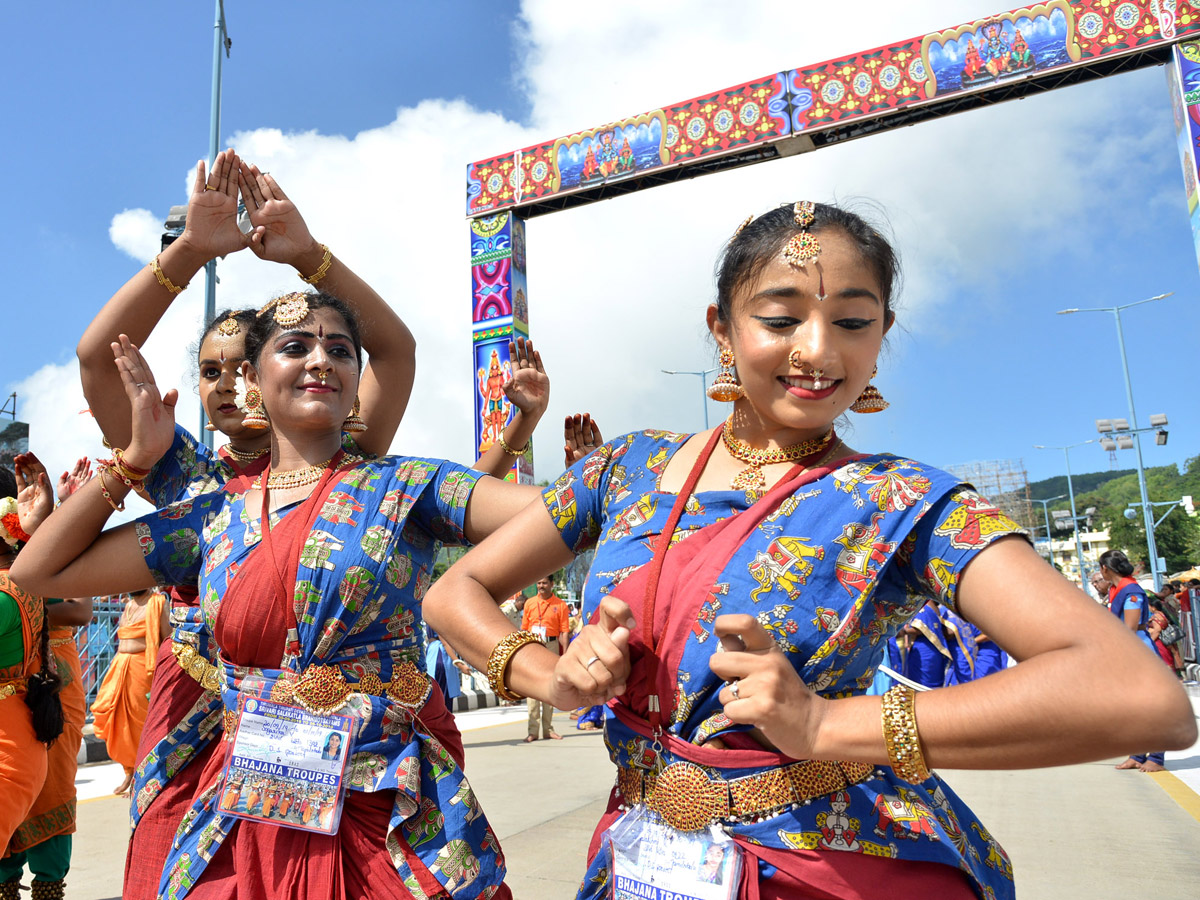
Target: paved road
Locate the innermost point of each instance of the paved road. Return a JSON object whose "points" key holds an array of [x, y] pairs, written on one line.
{"points": [[1073, 833]]}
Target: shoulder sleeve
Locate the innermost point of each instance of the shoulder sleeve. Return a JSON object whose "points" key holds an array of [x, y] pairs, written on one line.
{"points": [[947, 537], [187, 463], [441, 507], [172, 538], [575, 500]]}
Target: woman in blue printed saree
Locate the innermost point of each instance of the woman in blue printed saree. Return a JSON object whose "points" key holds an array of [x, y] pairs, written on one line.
{"points": [[310, 581], [768, 539], [170, 764]]}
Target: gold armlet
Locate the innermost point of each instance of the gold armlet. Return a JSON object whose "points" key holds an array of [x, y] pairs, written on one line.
{"points": [[322, 270], [163, 279], [502, 655], [899, 720], [510, 451]]}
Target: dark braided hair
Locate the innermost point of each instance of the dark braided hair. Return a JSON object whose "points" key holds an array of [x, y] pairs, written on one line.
{"points": [[43, 687]]}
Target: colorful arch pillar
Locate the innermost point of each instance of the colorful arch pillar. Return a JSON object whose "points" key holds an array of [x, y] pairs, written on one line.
{"points": [[499, 314]]}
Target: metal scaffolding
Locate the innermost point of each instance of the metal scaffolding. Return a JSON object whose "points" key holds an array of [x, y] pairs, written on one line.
{"points": [[1004, 482]]}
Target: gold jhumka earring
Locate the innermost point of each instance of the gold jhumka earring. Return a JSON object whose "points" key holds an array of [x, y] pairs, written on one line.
{"points": [[354, 422], [725, 387], [870, 400]]}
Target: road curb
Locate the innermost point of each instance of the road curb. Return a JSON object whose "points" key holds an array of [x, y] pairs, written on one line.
{"points": [[92, 750], [475, 699]]}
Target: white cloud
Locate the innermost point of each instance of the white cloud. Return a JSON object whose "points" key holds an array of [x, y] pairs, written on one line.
{"points": [[137, 232], [618, 290]]}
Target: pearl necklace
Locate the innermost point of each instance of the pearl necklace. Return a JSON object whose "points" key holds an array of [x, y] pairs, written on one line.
{"points": [[751, 479]]}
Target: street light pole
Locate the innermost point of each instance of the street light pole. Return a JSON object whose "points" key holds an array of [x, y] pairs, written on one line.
{"points": [[1071, 493], [1046, 515], [1147, 511], [220, 42], [703, 385]]}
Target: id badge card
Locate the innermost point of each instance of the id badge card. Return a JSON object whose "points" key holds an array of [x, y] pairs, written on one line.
{"points": [[540, 631], [653, 861], [286, 766]]}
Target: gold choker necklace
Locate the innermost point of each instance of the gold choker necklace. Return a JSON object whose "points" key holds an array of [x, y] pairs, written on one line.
{"points": [[295, 478], [246, 456], [751, 479]]}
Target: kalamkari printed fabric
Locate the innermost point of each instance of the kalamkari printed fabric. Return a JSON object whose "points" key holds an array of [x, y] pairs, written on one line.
{"points": [[832, 574]]}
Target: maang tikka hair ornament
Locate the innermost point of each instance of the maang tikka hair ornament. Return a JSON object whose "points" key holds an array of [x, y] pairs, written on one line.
{"points": [[290, 309], [804, 248], [725, 387]]}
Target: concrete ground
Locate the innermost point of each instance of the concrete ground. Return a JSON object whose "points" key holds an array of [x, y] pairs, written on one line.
{"points": [[1085, 832]]}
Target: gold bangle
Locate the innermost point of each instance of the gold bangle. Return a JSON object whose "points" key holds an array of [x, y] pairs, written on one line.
{"points": [[899, 720], [322, 270], [502, 655], [510, 451], [100, 470], [162, 277]]}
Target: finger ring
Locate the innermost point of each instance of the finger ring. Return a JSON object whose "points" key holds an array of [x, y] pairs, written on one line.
{"points": [[211, 187], [588, 664], [733, 689], [138, 383]]}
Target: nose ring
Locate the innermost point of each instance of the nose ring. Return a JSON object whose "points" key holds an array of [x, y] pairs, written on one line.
{"points": [[795, 359], [322, 376]]}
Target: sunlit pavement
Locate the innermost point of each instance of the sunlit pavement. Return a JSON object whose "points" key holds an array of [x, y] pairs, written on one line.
{"points": [[1081, 832]]}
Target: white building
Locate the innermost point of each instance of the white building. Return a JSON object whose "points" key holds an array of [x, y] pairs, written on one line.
{"points": [[1064, 554]]}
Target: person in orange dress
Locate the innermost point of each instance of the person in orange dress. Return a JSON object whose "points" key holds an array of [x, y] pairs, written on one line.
{"points": [[119, 710]]}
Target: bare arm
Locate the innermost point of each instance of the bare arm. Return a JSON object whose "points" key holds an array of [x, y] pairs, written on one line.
{"points": [[463, 605], [493, 503], [72, 612], [70, 556], [210, 231], [1085, 688], [281, 235]]}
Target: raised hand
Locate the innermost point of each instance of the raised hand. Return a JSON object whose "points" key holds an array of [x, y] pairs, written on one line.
{"points": [[280, 233], [529, 387], [595, 667], [70, 482], [153, 413], [762, 688], [35, 500], [211, 227], [580, 437]]}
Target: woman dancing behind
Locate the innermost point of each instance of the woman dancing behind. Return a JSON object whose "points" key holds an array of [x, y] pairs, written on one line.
{"points": [[30, 709], [310, 578], [801, 572], [164, 784]]}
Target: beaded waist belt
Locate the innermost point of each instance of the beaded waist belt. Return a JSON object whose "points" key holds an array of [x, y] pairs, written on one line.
{"points": [[61, 641], [689, 799], [321, 690], [10, 687]]}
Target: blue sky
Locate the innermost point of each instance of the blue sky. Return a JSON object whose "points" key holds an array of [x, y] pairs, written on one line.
{"points": [[369, 112]]}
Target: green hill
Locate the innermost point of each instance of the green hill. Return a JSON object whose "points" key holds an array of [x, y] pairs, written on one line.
{"points": [[1177, 538]]}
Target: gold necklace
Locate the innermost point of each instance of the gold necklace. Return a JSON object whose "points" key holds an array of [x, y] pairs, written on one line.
{"points": [[306, 476], [751, 479], [245, 456]]}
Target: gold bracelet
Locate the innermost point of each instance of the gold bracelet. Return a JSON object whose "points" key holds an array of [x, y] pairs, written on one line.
{"points": [[899, 720], [510, 451], [162, 277], [322, 270], [100, 470], [502, 655]]}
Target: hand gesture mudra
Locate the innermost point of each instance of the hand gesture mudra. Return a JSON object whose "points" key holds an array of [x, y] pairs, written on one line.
{"points": [[279, 231], [762, 687], [153, 413], [211, 226], [595, 667], [69, 482], [529, 387], [35, 500], [580, 437]]}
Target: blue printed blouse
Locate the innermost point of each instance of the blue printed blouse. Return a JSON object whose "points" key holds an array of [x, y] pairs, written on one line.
{"points": [[833, 574]]}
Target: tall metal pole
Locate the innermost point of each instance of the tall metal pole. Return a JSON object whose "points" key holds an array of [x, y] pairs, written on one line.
{"points": [[1074, 517], [703, 386], [1147, 510], [214, 137], [1049, 533]]}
